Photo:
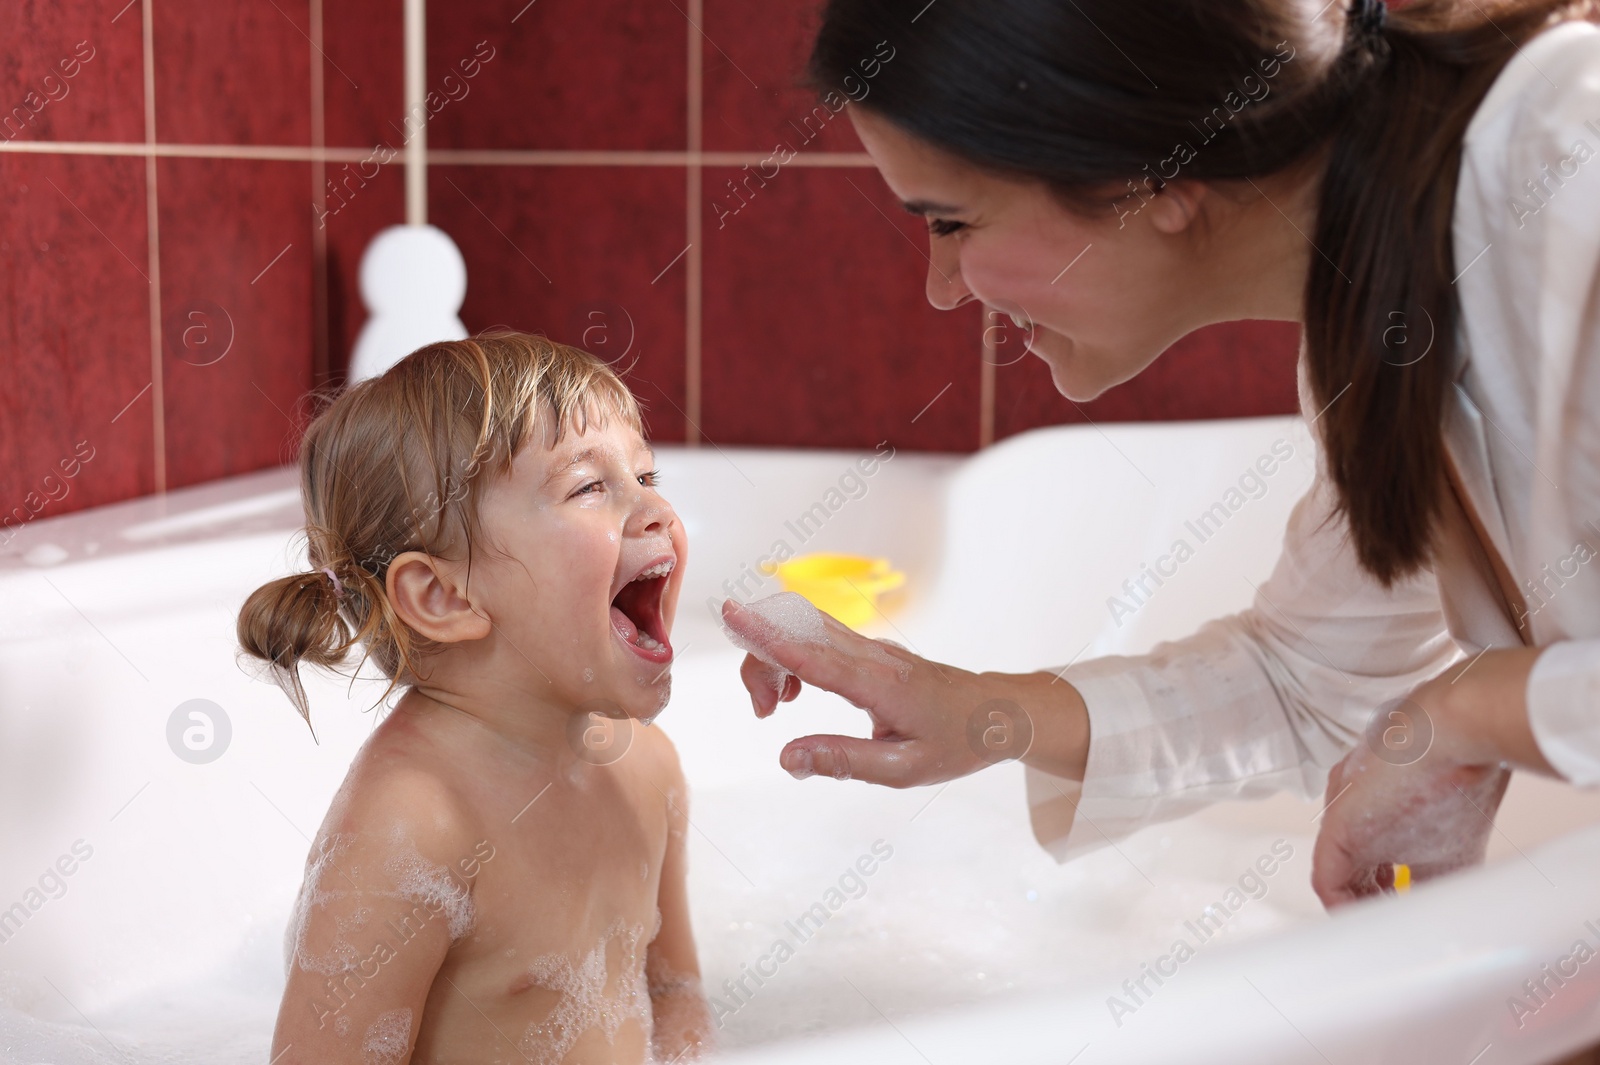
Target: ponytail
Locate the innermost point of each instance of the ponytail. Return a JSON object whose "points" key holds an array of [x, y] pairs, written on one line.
{"points": [[1381, 307], [291, 620]]}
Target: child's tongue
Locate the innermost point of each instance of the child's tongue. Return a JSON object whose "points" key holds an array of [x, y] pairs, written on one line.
{"points": [[624, 625]]}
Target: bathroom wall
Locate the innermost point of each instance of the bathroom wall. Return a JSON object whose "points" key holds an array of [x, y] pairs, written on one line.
{"points": [[189, 185]]}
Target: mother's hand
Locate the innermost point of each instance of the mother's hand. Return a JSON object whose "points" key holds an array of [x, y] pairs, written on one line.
{"points": [[1434, 816], [930, 722], [1423, 786]]}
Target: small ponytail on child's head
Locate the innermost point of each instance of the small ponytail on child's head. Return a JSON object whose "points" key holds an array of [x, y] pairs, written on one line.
{"points": [[397, 463], [295, 619]]}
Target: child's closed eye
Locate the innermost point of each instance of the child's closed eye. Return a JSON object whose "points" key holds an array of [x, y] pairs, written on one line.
{"points": [[648, 479]]}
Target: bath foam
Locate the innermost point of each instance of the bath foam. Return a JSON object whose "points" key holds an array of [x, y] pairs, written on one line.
{"points": [[790, 616], [585, 1004], [785, 616], [432, 886], [679, 995], [414, 879], [387, 1039], [356, 920], [343, 955]]}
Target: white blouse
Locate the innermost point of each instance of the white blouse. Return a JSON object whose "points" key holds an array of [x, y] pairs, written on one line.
{"points": [[1273, 697]]}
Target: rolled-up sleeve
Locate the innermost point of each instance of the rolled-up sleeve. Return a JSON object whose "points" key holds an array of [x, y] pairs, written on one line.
{"points": [[1258, 702]]}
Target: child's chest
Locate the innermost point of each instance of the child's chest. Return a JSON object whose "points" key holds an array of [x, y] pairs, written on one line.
{"points": [[568, 902]]}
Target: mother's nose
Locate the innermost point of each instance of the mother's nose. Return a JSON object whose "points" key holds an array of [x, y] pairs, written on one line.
{"points": [[947, 290]]}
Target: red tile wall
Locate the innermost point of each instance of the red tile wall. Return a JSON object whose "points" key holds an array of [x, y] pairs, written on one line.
{"points": [[596, 169]]}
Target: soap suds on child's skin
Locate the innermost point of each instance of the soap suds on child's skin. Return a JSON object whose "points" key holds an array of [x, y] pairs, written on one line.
{"points": [[585, 1002], [388, 1039], [673, 1027], [323, 869], [420, 881], [412, 878]]}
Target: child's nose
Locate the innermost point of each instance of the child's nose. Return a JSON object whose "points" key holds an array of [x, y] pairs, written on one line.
{"points": [[652, 518]]}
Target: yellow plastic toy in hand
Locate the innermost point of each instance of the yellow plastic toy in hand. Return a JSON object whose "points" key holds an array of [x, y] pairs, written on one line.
{"points": [[844, 586]]}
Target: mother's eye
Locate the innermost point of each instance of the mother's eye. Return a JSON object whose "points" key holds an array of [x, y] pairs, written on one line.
{"points": [[943, 227]]}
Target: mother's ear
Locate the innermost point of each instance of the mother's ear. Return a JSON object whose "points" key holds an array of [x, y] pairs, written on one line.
{"points": [[429, 594], [1177, 205]]}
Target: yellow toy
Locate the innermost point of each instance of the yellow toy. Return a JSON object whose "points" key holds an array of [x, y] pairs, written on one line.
{"points": [[844, 586]]}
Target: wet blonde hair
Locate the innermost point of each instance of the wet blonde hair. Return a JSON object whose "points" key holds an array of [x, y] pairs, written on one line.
{"points": [[399, 463]]}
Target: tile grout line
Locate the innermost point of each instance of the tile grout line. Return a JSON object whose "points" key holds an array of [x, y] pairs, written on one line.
{"points": [[158, 406], [436, 156], [415, 151], [694, 177], [985, 383], [321, 342]]}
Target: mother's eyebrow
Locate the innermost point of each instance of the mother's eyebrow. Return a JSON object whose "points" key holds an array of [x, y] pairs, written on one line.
{"points": [[925, 207]]}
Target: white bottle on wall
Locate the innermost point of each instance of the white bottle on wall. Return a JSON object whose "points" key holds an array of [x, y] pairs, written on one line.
{"points": [[413, 281]]}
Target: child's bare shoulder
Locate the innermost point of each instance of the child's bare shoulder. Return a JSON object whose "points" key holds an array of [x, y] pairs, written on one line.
{"points": [[396, 801]]}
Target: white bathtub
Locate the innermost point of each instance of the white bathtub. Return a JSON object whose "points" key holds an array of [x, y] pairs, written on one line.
{"points": [[968, 944]]}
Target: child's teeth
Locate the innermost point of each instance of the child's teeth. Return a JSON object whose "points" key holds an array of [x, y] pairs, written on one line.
{"points": [[660, 569]]}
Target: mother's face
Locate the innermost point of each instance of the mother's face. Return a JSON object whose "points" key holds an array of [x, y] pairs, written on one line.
{"points": [[1106, 295]]}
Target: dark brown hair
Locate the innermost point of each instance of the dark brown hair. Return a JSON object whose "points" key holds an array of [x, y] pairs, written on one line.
{"points": [[398, 463], [1095, 94]]}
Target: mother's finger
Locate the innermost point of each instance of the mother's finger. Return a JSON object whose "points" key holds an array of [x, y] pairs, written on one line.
{"points": [[767, 684], [843, 662], [893, 763], [1332, 873]]}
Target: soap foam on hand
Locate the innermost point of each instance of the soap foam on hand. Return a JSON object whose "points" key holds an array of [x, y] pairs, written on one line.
{"points": [[791, 617], [785, 616]]}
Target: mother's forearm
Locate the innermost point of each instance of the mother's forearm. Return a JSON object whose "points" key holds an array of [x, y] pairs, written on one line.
{"points": [[1479, 711]]}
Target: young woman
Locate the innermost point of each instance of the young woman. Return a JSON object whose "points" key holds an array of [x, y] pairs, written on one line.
{"points": [[1419, 188]]}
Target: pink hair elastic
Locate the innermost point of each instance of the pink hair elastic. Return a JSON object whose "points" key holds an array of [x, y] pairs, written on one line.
{"points": [[338, 588]]}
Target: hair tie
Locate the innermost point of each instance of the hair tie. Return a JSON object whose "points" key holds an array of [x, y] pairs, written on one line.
{"points": [[1367, 18], [338, 588]]}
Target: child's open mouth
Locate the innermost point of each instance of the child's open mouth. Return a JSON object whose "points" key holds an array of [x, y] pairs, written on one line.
{"points": [[636, 612]]}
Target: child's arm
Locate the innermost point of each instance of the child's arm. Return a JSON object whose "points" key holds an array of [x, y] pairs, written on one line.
{"points": [[372, 927], [683, 1023]]}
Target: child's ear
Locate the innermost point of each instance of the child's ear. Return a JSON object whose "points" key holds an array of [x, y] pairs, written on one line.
{"points": [[426, 595]]}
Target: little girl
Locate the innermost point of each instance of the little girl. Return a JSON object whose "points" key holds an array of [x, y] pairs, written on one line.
{"points": [[501, 876]]}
